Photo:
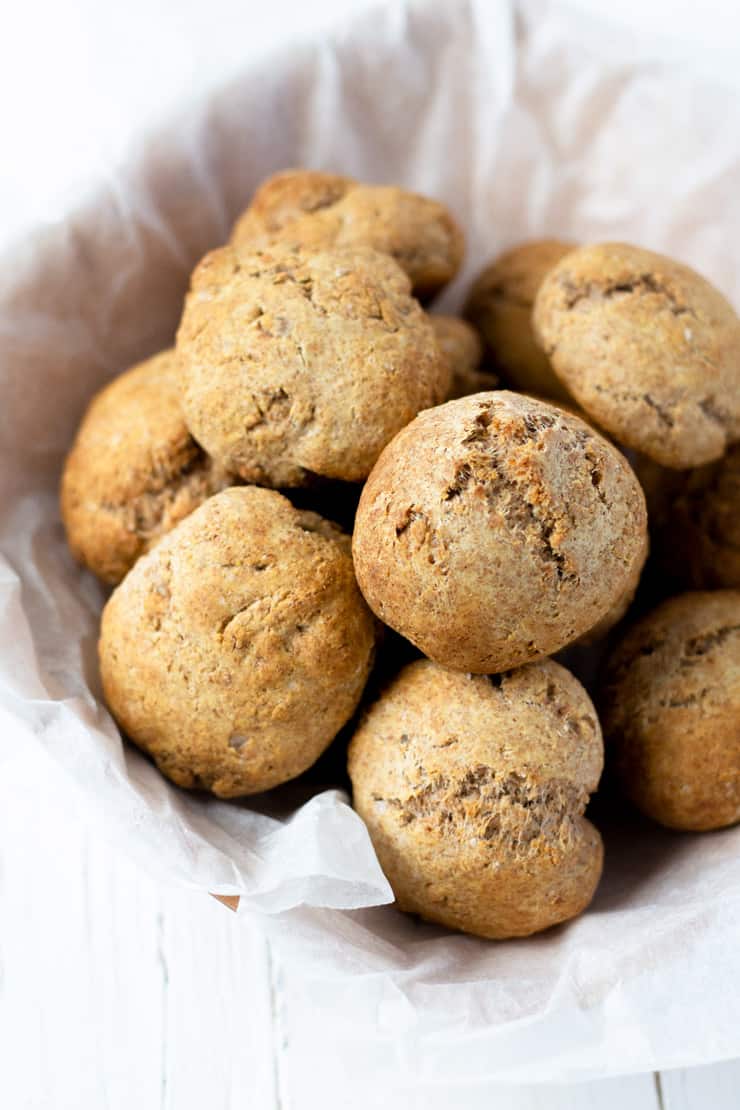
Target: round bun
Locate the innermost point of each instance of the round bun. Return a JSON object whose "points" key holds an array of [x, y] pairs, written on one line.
{"points": [[235, 650], [301, 364], [671, 711], [461, 347], [500, 307], [496, 529], [646, 346], [134, 470], [473, 791], [318, 211]]}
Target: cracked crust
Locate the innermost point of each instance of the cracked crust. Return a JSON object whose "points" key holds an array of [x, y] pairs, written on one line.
{"points": [[671, 711], [134, 470], [235, 651], [621, 607], [318, 211], [696, 522], [500, 304], [299, 364], [648, 347], [473, 790], [460, 345], [496, 529]]}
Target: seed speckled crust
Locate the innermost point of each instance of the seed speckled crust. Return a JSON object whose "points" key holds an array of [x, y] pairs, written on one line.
{"points": [[473, 791], [313, 210], [496, 529], [235, 650], [646, 346], [301, 364], [134, 470]]}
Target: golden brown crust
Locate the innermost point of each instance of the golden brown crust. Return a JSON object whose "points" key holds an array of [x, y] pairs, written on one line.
{"points": [[318, 211], [500, 307], [621, 606], [285, 197], [473, 792], [648, 347], [461, 346], [134, 470], [300, 364], [235, 650], [496, 529], [671, 711]]}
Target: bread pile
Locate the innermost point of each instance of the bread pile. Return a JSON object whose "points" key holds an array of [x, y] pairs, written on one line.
{"points": [[494, 528]]}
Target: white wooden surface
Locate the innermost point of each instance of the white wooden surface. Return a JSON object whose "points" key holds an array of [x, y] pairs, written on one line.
{"points": [[117, 993]]}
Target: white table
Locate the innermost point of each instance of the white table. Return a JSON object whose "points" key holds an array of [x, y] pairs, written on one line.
{"points": [[117, 993]]}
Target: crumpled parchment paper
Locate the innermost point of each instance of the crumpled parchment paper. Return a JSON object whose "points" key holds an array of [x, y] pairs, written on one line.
{"points": [[527, 119]]}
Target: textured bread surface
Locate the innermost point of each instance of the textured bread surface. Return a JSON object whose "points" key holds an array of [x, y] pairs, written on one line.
{"points": [[473, 791], [134, 470], [695, 521], [313, 210], [462, 348], [496, 529], [235, 650], [646, 346], [500, 305], [297, 364], [671, 711]]}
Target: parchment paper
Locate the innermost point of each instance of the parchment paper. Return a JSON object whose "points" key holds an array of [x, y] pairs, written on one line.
{"points": [[527, 122]]}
